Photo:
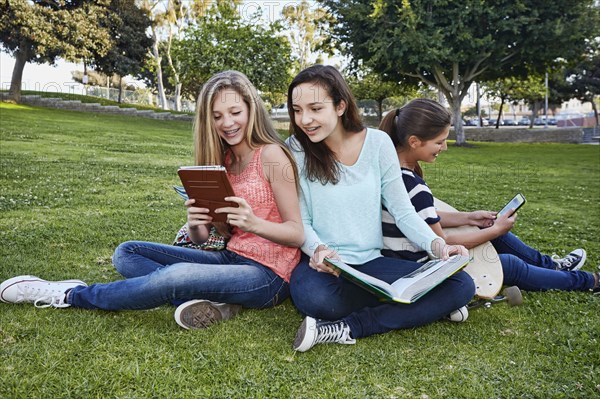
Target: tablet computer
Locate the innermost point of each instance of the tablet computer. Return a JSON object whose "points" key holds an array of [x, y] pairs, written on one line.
{"points": [[209, 186]]}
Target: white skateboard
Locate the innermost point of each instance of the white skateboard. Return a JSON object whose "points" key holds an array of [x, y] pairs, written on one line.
{"points": [[485, 268]]}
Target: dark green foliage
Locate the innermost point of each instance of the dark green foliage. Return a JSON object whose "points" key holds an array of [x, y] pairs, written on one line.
{"points": [[451, 44], [224, 41]]}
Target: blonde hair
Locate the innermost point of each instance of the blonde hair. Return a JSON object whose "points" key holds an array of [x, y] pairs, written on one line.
{"points": [[209, 148]]}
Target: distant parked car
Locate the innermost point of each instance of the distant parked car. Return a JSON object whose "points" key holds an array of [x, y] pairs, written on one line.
{"points": [[510, 122], [524, 121], [280, 110]]}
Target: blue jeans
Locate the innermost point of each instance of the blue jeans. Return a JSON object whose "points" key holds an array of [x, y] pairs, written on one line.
{"points": [[156, 274], [531, 270], [325, 296]]}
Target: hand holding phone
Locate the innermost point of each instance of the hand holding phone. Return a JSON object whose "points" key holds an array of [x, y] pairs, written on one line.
{"points": [[517, 202]]}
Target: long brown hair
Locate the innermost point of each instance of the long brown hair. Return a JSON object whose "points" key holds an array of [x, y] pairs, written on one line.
{"points": [[320, 162], [422, 118]]}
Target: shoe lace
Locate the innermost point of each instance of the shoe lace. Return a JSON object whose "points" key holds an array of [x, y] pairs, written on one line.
{"points": [[55, 301], [43, 299], [565, 262], [334, 332]]}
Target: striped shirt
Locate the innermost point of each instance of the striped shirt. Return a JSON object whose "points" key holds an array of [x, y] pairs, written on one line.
{"points": [[395, 243]]}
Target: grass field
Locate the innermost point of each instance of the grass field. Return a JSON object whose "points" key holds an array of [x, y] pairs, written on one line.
{"points": [[75, 185]]}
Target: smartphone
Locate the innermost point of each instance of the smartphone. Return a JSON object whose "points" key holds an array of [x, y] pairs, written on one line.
{"points": [[514, 204]]}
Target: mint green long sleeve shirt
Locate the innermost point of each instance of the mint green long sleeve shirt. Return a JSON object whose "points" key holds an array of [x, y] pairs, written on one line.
{"points": [[347, 216]]}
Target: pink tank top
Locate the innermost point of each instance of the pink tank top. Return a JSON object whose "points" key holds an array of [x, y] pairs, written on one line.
{"points": [[252, 185]]}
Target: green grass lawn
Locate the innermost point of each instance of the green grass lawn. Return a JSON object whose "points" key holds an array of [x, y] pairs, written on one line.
{"points": [[75, 185]]}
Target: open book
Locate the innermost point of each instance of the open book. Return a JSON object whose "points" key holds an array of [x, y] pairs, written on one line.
{"points": [[209, 186], [409, 288]]}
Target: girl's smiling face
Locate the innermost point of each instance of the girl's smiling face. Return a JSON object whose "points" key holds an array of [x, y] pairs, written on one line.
{"points": [[315, 113], [428, 151], [231, 114]]}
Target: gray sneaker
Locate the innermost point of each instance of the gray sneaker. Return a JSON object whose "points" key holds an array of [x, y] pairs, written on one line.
{"points": [[571, 262], [201, 313]]}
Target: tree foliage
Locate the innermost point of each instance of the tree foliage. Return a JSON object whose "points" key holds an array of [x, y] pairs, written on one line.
{"points": [[40, 31], [583, 79], [450, 44], [366, 84], [127, 25], [221, 40], [170, 18], [307, 28]]}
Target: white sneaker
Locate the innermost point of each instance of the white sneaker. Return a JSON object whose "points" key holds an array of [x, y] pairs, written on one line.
{"points": [[201, 313], [32, 289], [459, 315]]}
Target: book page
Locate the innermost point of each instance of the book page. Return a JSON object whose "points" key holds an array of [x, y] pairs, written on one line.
{"points": [[360, 277], [428, 276]]}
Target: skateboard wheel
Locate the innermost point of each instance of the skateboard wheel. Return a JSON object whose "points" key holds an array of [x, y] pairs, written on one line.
{"points": [[513, 295]]}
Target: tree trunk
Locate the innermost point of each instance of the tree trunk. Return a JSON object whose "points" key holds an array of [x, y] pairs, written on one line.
{"points": [[178, 97], [535, 107], [162, 98], [120, 89], [454, 91], [14, 92], [458, 123], [502, 98]]}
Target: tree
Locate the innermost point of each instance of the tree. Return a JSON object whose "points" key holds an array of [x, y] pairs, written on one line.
{"points": [[307, 29], [40, 31], [170, 18], [127, 25], [221, 40], [149, 74], [175, 17], [451, 44], [369, 85], [505, 90], [151, 6], [584, 78]]}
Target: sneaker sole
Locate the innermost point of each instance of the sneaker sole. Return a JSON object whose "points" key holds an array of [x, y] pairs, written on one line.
{"points": [[19, 279], [201, 313], [301, 342]]}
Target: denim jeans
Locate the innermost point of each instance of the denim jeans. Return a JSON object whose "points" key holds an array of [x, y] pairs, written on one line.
{"points": [[156, 274], [325, 296], [531, 270]]}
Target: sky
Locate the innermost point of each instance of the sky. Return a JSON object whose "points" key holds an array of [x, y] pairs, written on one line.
{"points": [[41, 77], [44, 77]]}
